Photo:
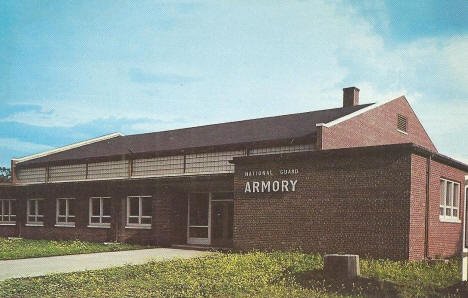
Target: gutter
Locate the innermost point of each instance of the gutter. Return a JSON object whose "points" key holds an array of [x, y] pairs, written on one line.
{"points": [[426, 213]]}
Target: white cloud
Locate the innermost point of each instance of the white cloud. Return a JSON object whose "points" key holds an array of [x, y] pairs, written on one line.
{"points": [[22, 146]]}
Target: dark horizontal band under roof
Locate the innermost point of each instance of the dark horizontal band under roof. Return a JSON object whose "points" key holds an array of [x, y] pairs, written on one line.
{"points": [[383, 149], [239, 132]]}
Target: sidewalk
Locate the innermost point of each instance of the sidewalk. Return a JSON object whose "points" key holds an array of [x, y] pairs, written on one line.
{"points": [[42, 266]]}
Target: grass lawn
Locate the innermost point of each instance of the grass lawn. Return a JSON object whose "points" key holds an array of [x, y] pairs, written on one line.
{"points": [[253, 274], [25, 248]]}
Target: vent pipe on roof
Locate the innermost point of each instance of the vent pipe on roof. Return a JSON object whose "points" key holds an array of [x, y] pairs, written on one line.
{"points": [[350, 97]]}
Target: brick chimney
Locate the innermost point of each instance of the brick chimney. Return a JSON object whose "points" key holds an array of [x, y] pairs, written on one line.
{"points": [[350, 97]]}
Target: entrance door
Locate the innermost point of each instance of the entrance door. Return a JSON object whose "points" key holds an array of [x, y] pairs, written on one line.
{"points": [[198, 229], [210, 218], [222, 215]]}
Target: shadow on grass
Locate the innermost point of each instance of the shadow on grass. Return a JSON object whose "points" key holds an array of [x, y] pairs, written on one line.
{"points": [[355, 286]]}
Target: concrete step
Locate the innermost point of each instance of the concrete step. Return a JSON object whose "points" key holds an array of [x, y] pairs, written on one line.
{"points": [[201, 247]]}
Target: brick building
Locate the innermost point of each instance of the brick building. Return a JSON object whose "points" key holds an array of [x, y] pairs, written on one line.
{"points": [[363, 178]]}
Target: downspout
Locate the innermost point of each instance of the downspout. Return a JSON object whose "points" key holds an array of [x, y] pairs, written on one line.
{"points": [[426, 214]]}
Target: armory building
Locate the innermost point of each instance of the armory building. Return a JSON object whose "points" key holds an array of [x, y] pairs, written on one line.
{"points": [[362, 178]]}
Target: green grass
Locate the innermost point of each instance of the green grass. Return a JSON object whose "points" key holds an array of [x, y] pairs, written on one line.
{"points": [[25, 248], [227, 275]]}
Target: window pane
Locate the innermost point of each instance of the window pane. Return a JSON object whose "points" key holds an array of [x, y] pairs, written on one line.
{"points": [[146, 206], [442, 211], [31, 218], [448, 194], [455, 212], [31, 209], [40, 207], [198, 232], [71, 207], [456, 195], [199, 209], [13, 218], [133, 220], [62, 207], [442, 192], [106, 220], [134, 208], [94, 219], [95, 207], [448, 211], [146, 220], [106, 206], [61, 219], [12, 207]]}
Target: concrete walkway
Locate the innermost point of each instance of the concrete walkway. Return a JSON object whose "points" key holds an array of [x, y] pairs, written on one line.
{"points": [[42, 266]]}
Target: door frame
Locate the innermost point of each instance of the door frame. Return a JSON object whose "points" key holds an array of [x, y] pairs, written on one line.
{"points": [[203, 241], [196, 240]]}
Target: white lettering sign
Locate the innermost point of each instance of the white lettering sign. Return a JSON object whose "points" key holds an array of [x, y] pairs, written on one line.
{"points": [[269, 186]]}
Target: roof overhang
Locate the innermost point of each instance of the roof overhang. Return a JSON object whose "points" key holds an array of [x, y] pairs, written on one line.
{"points": [[68, 147]]}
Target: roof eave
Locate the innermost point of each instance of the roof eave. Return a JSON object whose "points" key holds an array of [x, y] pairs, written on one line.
{"points": [[64, 148]]}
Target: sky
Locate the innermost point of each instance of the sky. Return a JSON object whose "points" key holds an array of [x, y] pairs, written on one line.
{"points": [[75, 70]]}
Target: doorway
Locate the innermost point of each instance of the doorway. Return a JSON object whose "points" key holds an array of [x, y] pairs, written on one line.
{"points": [[210, 218], [222, 219]]}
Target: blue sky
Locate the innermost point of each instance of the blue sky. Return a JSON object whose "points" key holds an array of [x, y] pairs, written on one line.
{"points": [[74, 70]]}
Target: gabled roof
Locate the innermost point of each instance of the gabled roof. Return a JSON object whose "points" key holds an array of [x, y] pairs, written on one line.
{"points": [[292, 126]]}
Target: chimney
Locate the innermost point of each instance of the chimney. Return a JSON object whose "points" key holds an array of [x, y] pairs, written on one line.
{"points": [[350, 97]]}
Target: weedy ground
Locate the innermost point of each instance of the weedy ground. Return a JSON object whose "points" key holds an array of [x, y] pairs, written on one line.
{"points": [[255, 274]]}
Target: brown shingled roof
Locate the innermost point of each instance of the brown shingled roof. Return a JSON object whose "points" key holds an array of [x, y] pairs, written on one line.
{"points": [[267, 129]]}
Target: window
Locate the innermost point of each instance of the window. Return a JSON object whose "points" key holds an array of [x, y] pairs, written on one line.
{"points": [[402, 124], [449, 200], [66, 212], [35, 212], [7, 211], [139, 211], [100, 211]]}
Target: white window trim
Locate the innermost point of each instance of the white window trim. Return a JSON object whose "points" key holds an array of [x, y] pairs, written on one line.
{"points": [[451, 218], [138, 225], [100, 224], [36, 222], [9, 215], [67, 223]]}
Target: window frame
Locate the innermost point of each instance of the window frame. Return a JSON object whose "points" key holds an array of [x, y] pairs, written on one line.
{"points": [[140, 216], [36, 216], [100, 224], [67, 215], [8, 215], [443, 206]]}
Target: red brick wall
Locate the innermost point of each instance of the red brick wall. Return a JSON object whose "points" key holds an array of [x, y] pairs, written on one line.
{"points": [[445, 239], [343, 204], [158, 235], [417, 207], [376, 127]]}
